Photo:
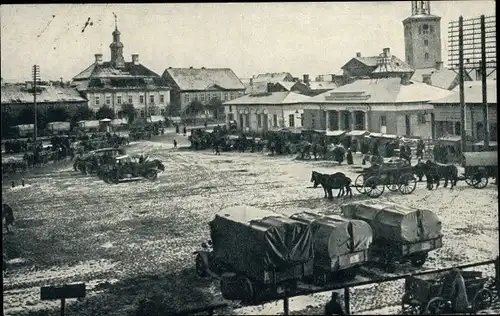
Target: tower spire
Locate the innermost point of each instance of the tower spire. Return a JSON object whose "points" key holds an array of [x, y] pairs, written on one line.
{"points": [[117, 47], [420, 8], [116, 21]]}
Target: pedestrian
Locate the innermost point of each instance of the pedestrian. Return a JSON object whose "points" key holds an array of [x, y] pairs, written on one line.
{"points": [[334, 307], [184, 130], [8, 215], [349, 157], [175, 143]]}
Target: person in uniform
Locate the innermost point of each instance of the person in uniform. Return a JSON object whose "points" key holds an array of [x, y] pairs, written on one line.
{"points": [[349, 157], [334, 307]]}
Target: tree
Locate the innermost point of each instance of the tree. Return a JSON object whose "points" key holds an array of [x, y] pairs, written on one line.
{"points": [[174, 109], [57, 115], [8, 120], [194, 108], [128, 111], [105, 112], [215, 106], [27, 116]]}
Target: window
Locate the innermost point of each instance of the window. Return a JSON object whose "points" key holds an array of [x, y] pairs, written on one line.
{"points": [[162, 112], [226, 96], [186, 98], [425, 29], [458, 130], [302, 119], [232, 96], [313, 123], [108, 100], [162, 99], [230, 108], [203, 97], [247, 120], [426, 42], [383, 120], [142, 113], [152, 99], [141, 99], [291, 120], [130, 99], [426, 56], [119, 99], [431, 29], [421, 118], [419, 29], [96, 98], [230, 116], [259, 120], [275, 120]]}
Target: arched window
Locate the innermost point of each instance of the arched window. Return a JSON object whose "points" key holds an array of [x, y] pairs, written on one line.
{"points": [[426, 42], [426, 56], [425, 29], [431, 29]]}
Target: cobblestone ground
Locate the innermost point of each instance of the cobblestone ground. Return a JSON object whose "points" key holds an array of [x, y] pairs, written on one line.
{"points": [[135, 240]]}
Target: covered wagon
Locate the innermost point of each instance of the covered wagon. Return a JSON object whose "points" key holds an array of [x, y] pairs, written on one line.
{"points": [[400, 233], [340, 244], [257, 252], [479, 167]]}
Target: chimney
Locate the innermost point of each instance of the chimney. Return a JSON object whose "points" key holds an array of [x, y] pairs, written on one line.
{"points": [[98, 59], [202, 67], [358, 54], [405, 79], [387, 52], [251, 82], [191, 67], [135, 59], [426, 78], [306, 78], [439, 65]]}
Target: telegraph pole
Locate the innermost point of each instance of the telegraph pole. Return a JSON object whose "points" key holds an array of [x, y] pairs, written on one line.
{"points": [[483, 84], [36, 76], [461, 81]]}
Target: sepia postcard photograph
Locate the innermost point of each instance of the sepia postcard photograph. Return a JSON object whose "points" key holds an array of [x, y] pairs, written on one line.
{"points": [[249, 158]]}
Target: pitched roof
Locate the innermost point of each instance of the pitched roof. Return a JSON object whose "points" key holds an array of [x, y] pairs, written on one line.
{"points": [[108, 70], [370, 61], [204, 78], [272, 76], [322, 85], [17, 93], [473, 93], [286, 97], [394, 64], [443, 78], [386, 90]]}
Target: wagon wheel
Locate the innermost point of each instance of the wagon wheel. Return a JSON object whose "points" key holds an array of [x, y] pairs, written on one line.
{"points": [[151, 175], [468, 180], [359, 184], [373, 187], [408, 305], [435, 306], [392, 187], [407, 184], [479, 180], [201, 270], [482, 300]]}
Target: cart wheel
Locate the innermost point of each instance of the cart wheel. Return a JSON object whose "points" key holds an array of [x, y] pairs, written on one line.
{"points": [[418, 260], [407, 307], [373, 187], [468, 180], [151, 175], [408, 184], [359, 183], [435, 306], [479, 181], [482, 300], [201, 270], [392, 187]]}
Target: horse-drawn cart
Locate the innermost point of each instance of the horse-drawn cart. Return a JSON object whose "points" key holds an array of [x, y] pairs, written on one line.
{"points": [[479, 167], [394, 176], [430, 294]]}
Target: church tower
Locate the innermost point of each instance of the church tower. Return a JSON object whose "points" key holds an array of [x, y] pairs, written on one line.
{"points": [[422, 32], [117, 49]]}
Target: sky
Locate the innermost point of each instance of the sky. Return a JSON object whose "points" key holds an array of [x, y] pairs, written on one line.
{"points": [[250, 38]]}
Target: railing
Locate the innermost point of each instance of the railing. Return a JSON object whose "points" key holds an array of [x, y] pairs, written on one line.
{"points": [[210, 309]]}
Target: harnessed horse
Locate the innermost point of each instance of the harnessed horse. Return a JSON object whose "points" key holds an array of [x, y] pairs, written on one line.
{"points": [[334, 181], [435, 171]]}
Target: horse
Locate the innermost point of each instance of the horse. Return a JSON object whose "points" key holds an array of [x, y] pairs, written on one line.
{"points": [[435, 171], [335, 181], [159, 165], [419, 170]]}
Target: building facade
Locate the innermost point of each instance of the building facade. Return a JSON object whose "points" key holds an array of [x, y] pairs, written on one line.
{"points": [[422, 34], [267, 111], [117, 82], [202, 84]]}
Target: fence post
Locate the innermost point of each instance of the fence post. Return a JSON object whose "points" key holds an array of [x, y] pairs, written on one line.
{"points": [[347, 301], [497, 273], [285, 306]]}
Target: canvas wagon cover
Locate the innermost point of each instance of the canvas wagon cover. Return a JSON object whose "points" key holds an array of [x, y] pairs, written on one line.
{"points": [[59, 126], [334, 236], [481, 158], [252, 240], [395, 222]]}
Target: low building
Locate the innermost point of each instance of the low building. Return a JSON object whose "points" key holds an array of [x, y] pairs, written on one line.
{"points": [[16, 97], [262, 112], [439, 76], [275, 76], [390, 106], [202, 84], [116, 82], [447, 111]]}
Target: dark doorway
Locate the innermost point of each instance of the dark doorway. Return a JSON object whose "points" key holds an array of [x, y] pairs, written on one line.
{"points": [[347, 120], [433, 126], [241, 121], [266, 122], [334, 120], [408, 125]]}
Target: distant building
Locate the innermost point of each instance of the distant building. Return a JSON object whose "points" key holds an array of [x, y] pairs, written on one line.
{"points": [[422, 34], [202, 84], [16, 97], [447, 111], [385, 65], [439, 77], [388, 105], [257, 87], [275, 76], [116, 82], [266, 111]]}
